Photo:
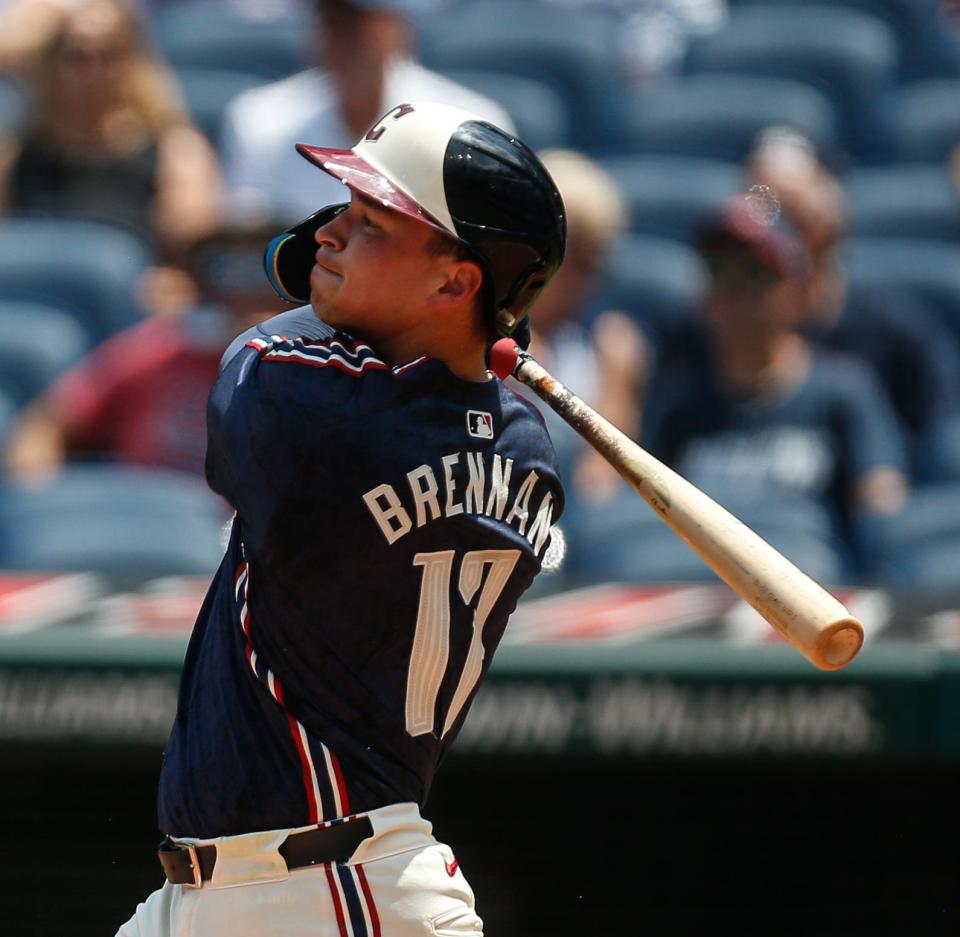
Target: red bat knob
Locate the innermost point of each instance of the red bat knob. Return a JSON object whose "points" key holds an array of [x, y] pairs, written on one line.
{"points": [[503, 357]]}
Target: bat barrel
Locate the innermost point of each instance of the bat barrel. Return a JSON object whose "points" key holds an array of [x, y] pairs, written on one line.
{"points": [[801, 610]]}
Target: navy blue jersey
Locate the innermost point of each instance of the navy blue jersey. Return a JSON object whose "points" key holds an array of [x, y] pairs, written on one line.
{"points": [[388, 520]]}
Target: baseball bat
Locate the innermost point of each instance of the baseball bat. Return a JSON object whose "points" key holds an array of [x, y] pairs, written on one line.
{"points": [[802, 611]]}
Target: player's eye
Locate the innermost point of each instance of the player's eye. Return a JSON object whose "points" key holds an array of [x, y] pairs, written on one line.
{"points": [[368, 222]]}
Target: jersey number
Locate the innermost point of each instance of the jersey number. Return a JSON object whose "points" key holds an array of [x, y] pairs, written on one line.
{"points": [[431, 640]]}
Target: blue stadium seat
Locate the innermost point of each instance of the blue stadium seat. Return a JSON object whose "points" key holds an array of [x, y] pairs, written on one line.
{"points": [[208, 91], [88, 269], [212, 34], [654, 280], [906, 201], [669, 195], [918, 548], [625, 541], [37, 344], [849, 55], [720, 116], [927, 47], [929, 269], [926, 566], [9, 407], [541, 115], [113, 520], [944, 450], [568, 48], [923, 120]]}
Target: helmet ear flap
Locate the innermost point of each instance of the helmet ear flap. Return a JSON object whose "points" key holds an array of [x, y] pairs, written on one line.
{"points": [[289, 257]]}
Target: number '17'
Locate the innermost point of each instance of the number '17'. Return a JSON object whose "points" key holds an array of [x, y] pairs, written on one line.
{"points": [[431, 640]]}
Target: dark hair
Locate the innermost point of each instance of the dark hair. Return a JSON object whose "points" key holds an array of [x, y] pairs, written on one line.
{"points": [[442, 245]]}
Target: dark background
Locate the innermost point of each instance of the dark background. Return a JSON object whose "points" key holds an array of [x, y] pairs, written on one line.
{"points": [[556, 847]]}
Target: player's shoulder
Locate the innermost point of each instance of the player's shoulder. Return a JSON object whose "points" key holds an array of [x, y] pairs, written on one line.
{"points": [[296, 323], [524, 407], [524, 430], [306, 366], [336, 353]]}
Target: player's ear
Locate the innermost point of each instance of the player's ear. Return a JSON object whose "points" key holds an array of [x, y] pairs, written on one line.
{"points": [[462, 281]]}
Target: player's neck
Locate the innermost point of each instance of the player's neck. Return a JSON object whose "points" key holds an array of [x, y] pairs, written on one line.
{"points": [[463, 352]]}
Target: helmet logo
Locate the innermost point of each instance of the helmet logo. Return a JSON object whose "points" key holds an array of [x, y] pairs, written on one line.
{"points": [[376, 132]]}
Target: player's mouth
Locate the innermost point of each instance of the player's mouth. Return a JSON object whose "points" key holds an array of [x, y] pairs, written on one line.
{"points": [[324, 269]]}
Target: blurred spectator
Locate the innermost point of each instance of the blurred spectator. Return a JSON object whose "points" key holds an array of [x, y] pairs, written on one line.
{"points": [[744, 404], [140, 398], [24, 27], [902, 341], [365, 47], [600, 357], [105, 135]]}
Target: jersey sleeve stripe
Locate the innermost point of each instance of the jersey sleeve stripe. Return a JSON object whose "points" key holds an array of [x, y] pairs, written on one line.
{"points": [[326, 350], [354, 359], [261, 343], [356, 348], [352, 355], [297, 356]]}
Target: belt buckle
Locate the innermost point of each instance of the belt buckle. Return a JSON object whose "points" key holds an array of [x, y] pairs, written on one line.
{"points": [[195, 865]]}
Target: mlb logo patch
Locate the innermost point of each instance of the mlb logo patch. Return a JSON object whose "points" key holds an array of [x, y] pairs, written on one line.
{"points": [[480, 424]]}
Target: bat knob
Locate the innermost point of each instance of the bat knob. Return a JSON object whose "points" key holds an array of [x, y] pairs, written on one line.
{"points": [[503, 357]]}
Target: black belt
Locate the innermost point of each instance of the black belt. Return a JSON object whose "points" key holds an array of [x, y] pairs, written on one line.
{"points": [[193, 865]]}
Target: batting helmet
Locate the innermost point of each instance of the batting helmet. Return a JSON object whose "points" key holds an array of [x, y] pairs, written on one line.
{"points": [[459, 174]]}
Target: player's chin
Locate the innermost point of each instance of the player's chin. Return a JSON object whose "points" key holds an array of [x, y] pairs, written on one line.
{"points": [[323, 287], [323, 280]]}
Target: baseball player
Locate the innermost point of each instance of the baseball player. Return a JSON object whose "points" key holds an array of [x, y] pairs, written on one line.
{"points": [[393, 501]]}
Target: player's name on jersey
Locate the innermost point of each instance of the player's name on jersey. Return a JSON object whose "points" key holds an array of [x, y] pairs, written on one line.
{"points": [[468, 483]]}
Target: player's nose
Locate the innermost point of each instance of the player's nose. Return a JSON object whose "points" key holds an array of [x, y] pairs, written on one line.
{"points": [[331, 234]]}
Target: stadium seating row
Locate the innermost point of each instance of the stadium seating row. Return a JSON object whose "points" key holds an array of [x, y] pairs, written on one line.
{"points": [[116, 520]]}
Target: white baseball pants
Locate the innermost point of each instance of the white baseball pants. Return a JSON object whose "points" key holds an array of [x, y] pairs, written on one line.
{"points": [[400, 882]]}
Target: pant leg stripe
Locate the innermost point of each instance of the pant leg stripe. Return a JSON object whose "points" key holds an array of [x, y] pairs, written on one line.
{"points": [[351, 894], [370, 904], [337, 901]]}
